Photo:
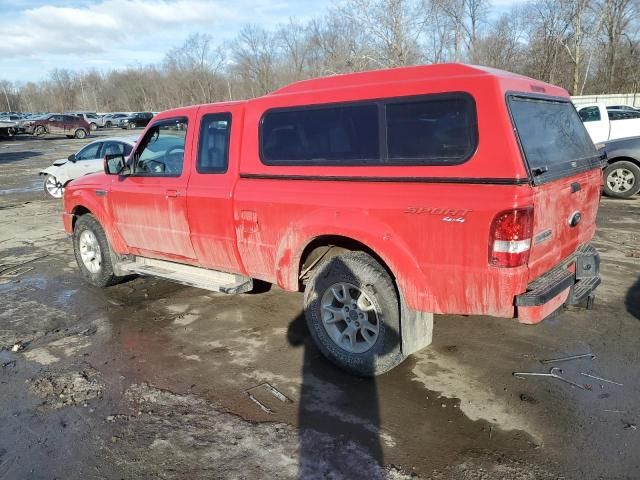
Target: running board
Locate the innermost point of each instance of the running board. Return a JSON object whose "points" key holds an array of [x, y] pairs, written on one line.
{"points": [[213, 280]]}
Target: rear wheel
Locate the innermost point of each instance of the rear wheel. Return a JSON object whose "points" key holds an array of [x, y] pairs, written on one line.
{"points": [[80, 133], [93, 253], [622, 179], [353, 314], [108, 124], [93, 127], [39, 131], [53, 187], [131, 126]]}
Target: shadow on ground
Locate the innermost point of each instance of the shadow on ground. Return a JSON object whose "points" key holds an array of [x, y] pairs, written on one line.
{"points": [[632, 300], [9, 157]]}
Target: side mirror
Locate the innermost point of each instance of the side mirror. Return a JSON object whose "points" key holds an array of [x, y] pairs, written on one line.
{"points": [[114, 164], [72, 158]]}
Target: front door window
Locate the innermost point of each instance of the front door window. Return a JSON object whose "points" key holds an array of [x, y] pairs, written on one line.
{"points": [[161, 151]]}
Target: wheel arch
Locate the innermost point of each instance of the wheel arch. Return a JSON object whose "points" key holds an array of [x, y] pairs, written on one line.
{"points": [[302, 244], [78, 211], [81, 208], [623, 158], [327, 246]]}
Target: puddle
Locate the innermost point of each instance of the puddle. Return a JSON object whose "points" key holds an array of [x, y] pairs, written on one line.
{"points": [[34, 186]]}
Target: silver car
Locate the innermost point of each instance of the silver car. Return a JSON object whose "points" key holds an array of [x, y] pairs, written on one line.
{"points": [[89, 159], [91, 118]]}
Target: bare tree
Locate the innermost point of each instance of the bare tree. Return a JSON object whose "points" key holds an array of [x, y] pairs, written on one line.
{"points": [[195, 66], [502, 47], [255, 56], [393, 28]]}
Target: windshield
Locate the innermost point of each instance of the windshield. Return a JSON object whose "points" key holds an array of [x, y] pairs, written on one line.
{"points": [[552, 135]]}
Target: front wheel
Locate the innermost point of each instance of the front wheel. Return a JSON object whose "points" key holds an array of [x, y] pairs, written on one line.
{"points": [[131, 126], [108, 124], [39, 131], [93, 253], [93, 127], [622, 179], [53, 187], [353, 314]]}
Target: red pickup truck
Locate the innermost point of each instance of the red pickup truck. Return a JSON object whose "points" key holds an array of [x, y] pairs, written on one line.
{"points": [[387, 196]]}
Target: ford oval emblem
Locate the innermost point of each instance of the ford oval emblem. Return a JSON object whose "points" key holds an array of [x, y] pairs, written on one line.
{"points": [[574, 219]]}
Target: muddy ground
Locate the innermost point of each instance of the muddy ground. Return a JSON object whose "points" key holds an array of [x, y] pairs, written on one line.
{"points": [[150, 379]]}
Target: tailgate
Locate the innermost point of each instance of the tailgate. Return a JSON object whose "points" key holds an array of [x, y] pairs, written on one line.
{"points": [[564, 218], [564, 168]]}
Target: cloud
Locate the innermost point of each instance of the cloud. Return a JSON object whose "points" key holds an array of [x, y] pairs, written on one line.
{"points": [[91, 29]]}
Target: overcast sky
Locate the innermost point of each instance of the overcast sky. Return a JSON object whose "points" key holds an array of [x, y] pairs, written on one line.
{"points": [[37, 36]]}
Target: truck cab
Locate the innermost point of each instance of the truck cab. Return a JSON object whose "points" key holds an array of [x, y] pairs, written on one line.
{"points": [[385, 196]]}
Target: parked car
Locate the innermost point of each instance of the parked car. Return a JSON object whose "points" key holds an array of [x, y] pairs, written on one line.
{"points": [[386, 196], [58, 124], [623, 107], [8, 128], [136, 120], [24, 120], [622, 173], [92, 119], [89, 159], [113, 119], [605, 124]]}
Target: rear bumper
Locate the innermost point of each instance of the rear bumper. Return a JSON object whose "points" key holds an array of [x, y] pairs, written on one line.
{"points": [[570, 283]]}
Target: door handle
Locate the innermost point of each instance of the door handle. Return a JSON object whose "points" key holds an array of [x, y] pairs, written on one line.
{"points": [[172, 193], [575, 187]]}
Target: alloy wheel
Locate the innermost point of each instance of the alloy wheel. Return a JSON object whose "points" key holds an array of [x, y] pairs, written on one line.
{"points": [[350, 318], [90, 251], [621, 180]]}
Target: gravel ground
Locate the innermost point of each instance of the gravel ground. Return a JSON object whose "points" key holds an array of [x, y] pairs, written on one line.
{"points": [[150, 379]]}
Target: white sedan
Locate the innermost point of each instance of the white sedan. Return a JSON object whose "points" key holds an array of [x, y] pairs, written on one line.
{"points": [[88, 160]]}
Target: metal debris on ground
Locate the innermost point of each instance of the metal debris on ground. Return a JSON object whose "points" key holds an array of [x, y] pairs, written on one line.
{"points": [[260, 404], [271, 391], [15, 272], [601, 379], [553, 373], [18, 347], [590, 356]]}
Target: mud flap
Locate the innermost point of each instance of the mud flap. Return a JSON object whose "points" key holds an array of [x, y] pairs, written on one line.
{"points": [[416, 330]]}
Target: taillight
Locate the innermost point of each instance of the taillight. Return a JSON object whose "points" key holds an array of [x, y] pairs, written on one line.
{"points": [[510, 238]]}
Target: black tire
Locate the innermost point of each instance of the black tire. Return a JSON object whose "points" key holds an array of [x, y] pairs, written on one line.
{"points": [[105, 276], [108, 125], [93, 126], [367, 275], [39, 131], [131, 126], [613, 180], [80, 133]]}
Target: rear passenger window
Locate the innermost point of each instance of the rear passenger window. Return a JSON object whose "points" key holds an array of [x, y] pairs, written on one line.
{"points": [[213, 148], [431, 131], [346, 134]]}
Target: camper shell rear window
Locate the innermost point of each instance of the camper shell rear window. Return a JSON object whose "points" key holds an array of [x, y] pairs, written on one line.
{"points": [[553, 139]]}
